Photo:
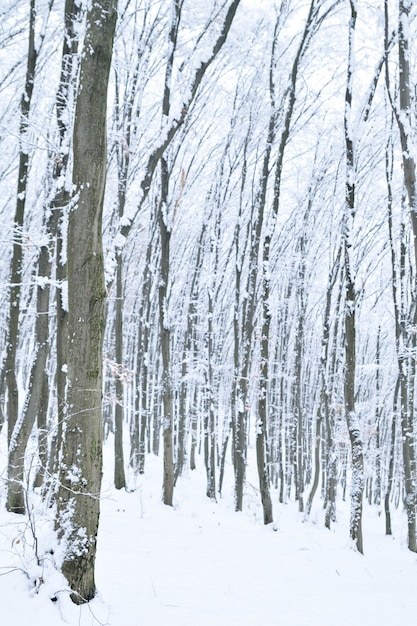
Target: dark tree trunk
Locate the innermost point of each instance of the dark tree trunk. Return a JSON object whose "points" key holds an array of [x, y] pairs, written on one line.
{"points": [[81, 451], [12, 338], [350, 309]]}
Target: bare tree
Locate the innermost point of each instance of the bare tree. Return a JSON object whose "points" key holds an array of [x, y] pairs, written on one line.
{"points": [[407, 362], [350, 305], [165, 217]]}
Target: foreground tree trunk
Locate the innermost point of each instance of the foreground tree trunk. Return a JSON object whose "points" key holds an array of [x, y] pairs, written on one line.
{"points": [[81, 452]]}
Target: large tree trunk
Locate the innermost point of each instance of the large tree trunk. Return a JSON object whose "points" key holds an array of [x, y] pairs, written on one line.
{"points": [[81, 453]]}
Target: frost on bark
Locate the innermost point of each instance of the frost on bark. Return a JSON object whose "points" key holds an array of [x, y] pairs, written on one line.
{"points": [[165, 230], [130, 81], [78, 501], [284, 107], [14, 500], [408, 345], [60, 202], [143, 401], [119, 471], [165, 220], [350, 308], [36, 403], [404, 290]]}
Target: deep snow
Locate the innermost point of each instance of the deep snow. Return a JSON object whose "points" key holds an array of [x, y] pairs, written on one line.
{"points": [[200, 563]]}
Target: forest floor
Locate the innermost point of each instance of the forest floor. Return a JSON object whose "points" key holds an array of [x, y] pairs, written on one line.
{"points": [[201, 564]]}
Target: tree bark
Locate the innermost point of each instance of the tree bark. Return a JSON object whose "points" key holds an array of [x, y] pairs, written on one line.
{"points": [[404, 319], [352, 421], [12, 339], [81, 453], [36, 402], [60, 203], [407, 363], [119, 469]]}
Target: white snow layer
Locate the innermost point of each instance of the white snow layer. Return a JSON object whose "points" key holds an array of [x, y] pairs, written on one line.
{"points": [[201, 564]]}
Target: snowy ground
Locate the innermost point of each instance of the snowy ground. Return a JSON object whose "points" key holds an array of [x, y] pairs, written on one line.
{"points": [[200, 563]]}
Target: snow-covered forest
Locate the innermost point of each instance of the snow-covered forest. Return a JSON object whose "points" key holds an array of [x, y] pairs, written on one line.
{"points": [[209, 262]]}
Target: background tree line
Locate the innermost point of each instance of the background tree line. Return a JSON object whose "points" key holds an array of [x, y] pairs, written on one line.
{"points": [[210, 253]]}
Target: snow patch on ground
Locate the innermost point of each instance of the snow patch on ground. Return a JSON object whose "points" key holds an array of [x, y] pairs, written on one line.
{"points": [[200, 563]]}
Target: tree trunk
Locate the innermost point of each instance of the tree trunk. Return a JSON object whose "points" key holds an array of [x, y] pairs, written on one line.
{"points": [[390, 474], [81, 453], [36, 403], [404, 319], [350, 309], [119, 469], [210, 418], [285, 108], [165, 343], [60, 203], [12, 339], [407, 364]]}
